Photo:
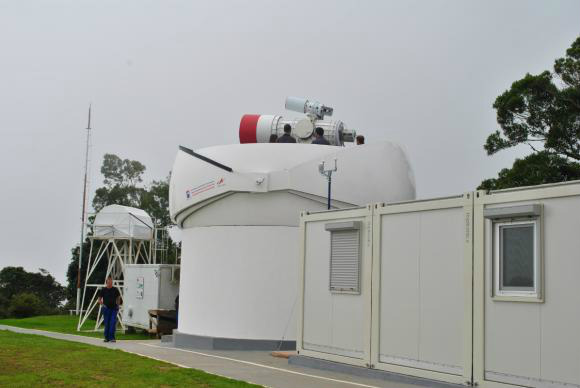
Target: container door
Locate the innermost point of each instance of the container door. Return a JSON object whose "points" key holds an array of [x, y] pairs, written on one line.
{"points": [[336, 289]]}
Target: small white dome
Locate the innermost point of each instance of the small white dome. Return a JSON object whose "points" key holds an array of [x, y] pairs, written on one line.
{"points": [[117, 221]]}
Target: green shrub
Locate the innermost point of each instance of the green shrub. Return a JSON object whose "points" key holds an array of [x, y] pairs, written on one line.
{"points": [[4, 306], [26, 305]]}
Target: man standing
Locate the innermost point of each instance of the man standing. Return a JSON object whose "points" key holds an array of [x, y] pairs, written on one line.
{"points": [[109, 299], [319, 137], [286, 137]]}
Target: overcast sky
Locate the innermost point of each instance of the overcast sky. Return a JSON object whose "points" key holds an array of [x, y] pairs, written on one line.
{"points": [[164, 73]]}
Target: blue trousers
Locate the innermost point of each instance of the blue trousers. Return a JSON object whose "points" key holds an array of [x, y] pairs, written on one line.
{"points": [[110, 321]]}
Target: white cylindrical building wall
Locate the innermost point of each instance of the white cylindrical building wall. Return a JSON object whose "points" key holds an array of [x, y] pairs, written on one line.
{"points": [[241, 282]]}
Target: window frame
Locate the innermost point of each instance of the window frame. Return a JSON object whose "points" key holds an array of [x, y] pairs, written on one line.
{"points": [[505, 294]]}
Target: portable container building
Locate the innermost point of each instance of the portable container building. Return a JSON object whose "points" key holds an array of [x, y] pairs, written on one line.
{"points": [[479, 289]]}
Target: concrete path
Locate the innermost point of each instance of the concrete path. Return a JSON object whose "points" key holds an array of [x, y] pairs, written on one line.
{"points": [[257, 367]]}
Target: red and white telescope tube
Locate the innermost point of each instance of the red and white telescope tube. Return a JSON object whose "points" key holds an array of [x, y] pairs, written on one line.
{"points": [[258, 129]]}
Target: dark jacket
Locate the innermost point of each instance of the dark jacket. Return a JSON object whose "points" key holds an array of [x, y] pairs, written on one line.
{"points": [[285, 138], [320, 140]]}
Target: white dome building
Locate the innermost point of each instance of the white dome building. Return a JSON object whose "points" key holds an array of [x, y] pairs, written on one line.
{"points": [[239, 207]]}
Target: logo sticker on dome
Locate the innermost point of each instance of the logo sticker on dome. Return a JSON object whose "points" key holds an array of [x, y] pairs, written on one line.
{"points": [[200, 189]]}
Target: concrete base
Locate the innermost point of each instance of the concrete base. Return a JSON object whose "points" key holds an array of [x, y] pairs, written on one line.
{"points": [[316, 363], [191, 341]]}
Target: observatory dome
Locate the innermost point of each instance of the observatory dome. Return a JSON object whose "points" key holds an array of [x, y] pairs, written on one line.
{"points": [[117, 221], [376, 172], [239, 209]]}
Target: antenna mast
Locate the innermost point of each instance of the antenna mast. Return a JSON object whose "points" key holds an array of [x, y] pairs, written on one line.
{"points": [[84, 214]]}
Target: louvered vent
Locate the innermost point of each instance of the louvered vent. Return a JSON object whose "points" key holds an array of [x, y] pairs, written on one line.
{"points": [[344, 257]]}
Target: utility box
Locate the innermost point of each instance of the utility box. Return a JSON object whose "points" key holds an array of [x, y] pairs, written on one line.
{"points": [[148, 287]]}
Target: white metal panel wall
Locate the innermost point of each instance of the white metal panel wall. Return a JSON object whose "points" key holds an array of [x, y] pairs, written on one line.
{"points": [[538, 344], [420, 305], [560, 314], [334, 325], [400, 294]]}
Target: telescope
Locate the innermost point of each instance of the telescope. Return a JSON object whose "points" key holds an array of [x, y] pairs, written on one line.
{"points": [[256, 128], [311, 108]]}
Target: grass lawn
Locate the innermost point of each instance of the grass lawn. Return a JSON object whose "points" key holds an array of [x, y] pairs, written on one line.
{"points": [[28, 360], [66, 324]]}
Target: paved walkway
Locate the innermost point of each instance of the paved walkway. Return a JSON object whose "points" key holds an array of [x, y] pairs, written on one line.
{"points": [[251, 366]]}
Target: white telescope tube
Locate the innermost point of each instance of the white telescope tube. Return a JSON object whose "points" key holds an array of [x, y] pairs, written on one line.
{"points": [[296, 104], [311, 108]]}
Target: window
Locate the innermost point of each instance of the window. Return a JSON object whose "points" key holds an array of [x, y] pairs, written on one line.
{"points": [[516, 252], [344, 257], [516, 258]]}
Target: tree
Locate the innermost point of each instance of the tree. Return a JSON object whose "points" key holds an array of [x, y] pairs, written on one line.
{"points": [[16, 281], [535, 169], [121, 183], [155, 201], [4, 306], [124, 173], [123, 186], [542, 111]]}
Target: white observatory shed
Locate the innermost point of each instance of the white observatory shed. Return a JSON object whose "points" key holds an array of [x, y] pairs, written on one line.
{"points": [[239, 210]]}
